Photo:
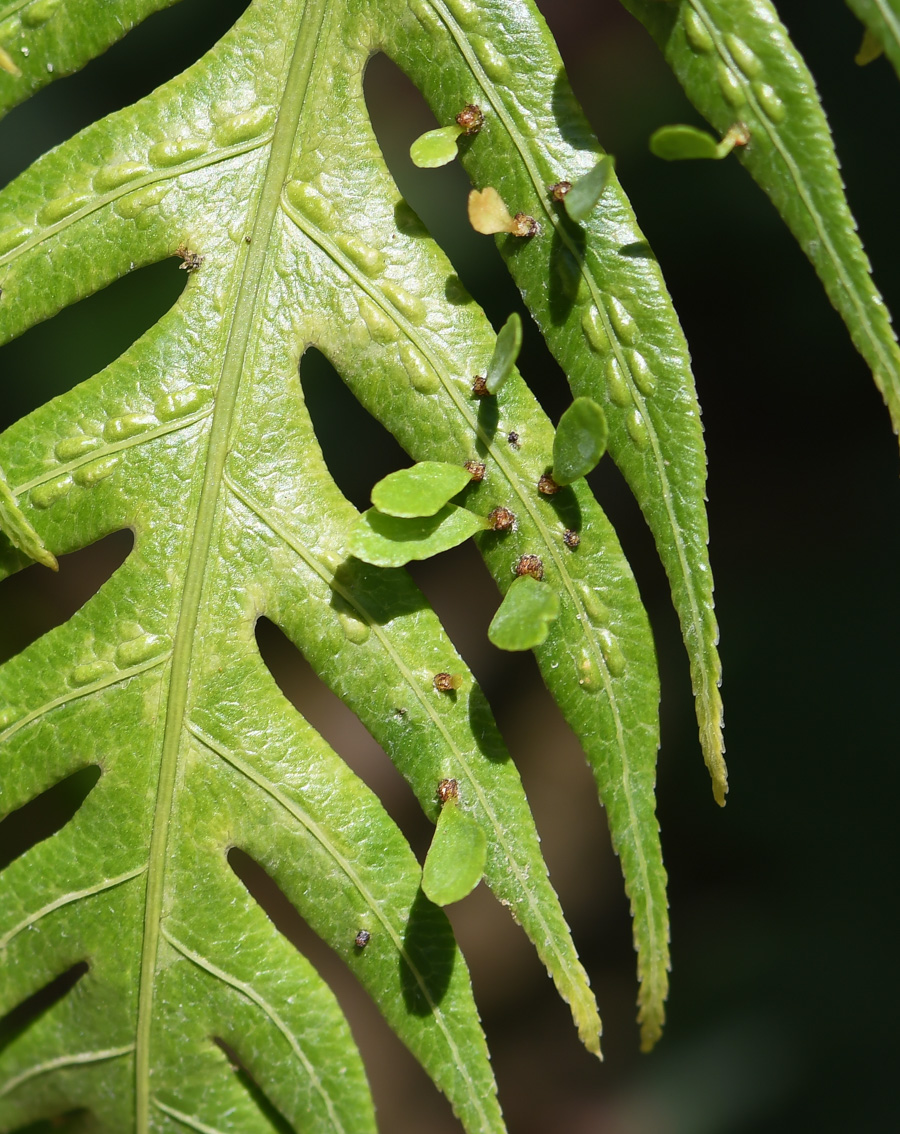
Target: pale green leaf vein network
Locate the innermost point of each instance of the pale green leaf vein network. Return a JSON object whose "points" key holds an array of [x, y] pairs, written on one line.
{"points": [[130, 187], [78, 1060], [69, 899], [242, 323], [113, 678], [711, 722], [328, 577], [346, 867], [184, 1119], [260, 1001]]}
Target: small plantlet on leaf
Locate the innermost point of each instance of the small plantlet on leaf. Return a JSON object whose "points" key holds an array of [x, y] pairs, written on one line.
{"points": [[488, 214], [455, 861], [524, 617], [685, 143], [437, 147], [582, 195], [579, 442], [421, 490], [506, 351]]}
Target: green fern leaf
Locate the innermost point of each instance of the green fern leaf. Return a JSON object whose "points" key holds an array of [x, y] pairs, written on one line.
{"points": [[735, 60], [259, 167]]}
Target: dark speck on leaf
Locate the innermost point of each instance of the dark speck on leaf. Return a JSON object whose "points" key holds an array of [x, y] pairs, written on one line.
{"points": [[362, 939]]}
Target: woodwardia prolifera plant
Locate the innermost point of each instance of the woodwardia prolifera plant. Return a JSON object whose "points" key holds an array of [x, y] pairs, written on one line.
{"points": [[259, 168]]}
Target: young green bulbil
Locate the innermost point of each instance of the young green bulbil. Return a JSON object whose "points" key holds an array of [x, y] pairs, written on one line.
{"points": [[421, 490], [437, 147], [455, 861], [506, 351], [580, 441], [683, 143], [524, 616]]}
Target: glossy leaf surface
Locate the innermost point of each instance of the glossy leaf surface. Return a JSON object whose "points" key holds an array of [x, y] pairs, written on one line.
{"points": [[388, 541]]}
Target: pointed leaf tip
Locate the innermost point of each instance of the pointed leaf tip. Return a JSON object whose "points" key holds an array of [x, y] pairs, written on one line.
{"points": [[421, 490], [506, 351], [435, 148], [524, 616], [580, 441], [456, 858], [392, 541], [584, 193]]}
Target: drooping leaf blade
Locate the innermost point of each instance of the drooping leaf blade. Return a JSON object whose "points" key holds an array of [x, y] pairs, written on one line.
{"points": [[736, 62]]}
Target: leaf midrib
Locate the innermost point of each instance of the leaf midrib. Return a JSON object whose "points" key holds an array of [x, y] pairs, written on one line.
{"points": [[243, 319]]}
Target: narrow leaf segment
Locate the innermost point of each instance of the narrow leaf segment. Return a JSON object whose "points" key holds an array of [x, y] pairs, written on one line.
{"points": [[735, 60]]}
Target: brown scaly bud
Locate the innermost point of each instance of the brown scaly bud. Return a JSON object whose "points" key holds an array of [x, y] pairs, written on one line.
{"points": [[447, 790], [476, 470], [530, 565], [501, 520], [547, 485], [479, 386], [571, 538], [470, 118], [524, 225], [559, 190], [446, 682]]}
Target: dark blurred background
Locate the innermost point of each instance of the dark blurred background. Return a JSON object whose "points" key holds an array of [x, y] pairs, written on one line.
{"points": [[781, 1015]]}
